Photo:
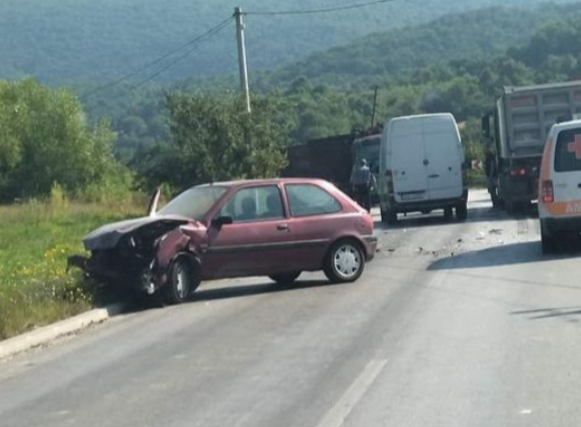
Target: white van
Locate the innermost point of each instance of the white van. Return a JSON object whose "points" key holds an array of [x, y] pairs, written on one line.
{"points": [[421, 167], [560, 185]]}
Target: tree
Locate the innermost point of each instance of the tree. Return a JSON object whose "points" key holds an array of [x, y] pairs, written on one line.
{"points": [[214, 139], [44, 138]]}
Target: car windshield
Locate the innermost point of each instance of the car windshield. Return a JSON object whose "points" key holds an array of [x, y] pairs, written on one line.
{"points": [[195, 202]]}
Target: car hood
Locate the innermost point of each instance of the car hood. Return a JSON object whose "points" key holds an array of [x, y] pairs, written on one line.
{"points": [[109, 235]]}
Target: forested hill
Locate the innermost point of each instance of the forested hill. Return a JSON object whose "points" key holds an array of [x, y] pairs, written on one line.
{"points": [[383, 57], [81, 40], [455, 63]]}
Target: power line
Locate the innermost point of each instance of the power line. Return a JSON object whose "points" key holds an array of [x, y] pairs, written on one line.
{"points": [[160, 59], [324, 10], [208, 35]]}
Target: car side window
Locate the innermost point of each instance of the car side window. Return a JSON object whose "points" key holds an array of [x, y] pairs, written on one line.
{"points": [[254, 203], [309, 199], [568, 151]]}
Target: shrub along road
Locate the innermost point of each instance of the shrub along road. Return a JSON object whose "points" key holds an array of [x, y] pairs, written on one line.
{"points": [[453, 324]]}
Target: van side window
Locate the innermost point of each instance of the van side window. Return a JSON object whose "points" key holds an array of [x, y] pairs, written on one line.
{"points": [[568, 151]]}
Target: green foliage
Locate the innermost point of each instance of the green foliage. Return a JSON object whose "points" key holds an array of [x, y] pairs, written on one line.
{"points": [[214, 139], [45, 139], [424, 68], [35, 240], [472, 35]]}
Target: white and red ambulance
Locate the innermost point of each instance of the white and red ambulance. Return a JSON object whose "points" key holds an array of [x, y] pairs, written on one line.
{"points": [[560, 186]]}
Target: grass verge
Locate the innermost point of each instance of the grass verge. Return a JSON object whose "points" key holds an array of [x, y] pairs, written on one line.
{"points": [[35, 240]]}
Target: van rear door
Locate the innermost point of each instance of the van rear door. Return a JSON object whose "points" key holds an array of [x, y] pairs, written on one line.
{"points": [[406, 144], [444, 157], [567, 169]]}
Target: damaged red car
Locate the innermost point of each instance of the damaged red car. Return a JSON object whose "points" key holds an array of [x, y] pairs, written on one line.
{"points": [[275, 227]]}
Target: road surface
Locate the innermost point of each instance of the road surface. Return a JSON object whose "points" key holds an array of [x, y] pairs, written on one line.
{"points": [[453, 324]]}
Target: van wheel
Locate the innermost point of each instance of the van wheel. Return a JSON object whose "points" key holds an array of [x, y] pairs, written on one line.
{"points": [[509, 207], [549, 244], [462, 212], [391, 217], [448, 213], [494, 197]]}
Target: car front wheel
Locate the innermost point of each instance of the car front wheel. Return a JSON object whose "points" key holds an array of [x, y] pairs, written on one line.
{"points": [[344, 262], [183, 279]]}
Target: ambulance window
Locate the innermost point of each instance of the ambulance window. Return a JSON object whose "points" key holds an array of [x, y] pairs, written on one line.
{"points": [[568, 151]]}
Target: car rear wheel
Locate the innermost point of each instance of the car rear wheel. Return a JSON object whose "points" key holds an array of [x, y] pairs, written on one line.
{"points": [[344, 262], [183, 279], [285, 278]]}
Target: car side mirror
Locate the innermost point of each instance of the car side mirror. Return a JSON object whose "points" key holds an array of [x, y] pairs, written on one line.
{"points": [[220, 221]]}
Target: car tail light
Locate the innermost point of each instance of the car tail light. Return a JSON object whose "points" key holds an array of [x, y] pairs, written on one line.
{"points": [[548, 194], [518, 172]]}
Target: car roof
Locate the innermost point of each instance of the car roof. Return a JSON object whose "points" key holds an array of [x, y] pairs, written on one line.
{"points": [[572, 124], [245, 182]]}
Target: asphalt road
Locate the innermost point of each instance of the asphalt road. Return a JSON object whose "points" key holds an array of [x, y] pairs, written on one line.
{"points": [[453, 324]]}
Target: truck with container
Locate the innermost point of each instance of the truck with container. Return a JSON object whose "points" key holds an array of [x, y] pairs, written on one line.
{"points": [[328, 158], [516, 131], [333, 158]]}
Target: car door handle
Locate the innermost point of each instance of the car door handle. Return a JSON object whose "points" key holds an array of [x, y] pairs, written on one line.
{"points": [[434, 176], [282, 227]]}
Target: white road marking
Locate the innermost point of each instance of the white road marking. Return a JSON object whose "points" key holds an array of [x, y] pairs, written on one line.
{"points": [[341, 410]]}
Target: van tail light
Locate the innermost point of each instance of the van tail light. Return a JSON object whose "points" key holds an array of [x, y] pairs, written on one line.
{"points": [[548, 192], [518, 172]]}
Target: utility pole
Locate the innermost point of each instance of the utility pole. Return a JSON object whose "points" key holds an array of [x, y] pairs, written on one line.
{"points": [[242, 57], [374, 104]]}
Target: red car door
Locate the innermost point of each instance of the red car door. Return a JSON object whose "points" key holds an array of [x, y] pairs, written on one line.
{"points": [[317, 218], [259, 240]]}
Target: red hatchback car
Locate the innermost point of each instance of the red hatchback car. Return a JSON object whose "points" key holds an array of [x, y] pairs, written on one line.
{"points": [[272, 227]]}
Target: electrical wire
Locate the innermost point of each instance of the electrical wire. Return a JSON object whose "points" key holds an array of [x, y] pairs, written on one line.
{"points": [[208, 33], [324, 10]]}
